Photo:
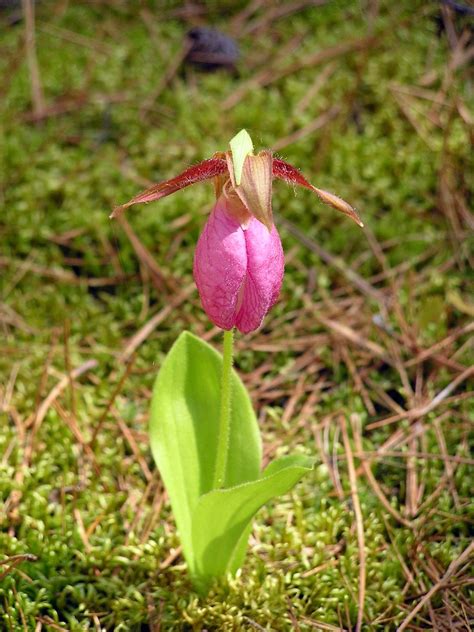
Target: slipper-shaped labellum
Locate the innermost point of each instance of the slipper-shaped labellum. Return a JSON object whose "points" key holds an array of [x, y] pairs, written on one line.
{"points": [[239, 262]]}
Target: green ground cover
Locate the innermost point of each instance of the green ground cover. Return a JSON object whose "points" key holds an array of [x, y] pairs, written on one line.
{"points": [[373, 328]]}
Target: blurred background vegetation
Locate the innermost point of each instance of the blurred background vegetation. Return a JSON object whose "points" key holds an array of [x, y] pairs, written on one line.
{"points": [[366, 361]]}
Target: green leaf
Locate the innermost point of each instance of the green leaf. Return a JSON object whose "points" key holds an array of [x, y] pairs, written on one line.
{"points": [[241, 146], [184, 428], [221, 518]]}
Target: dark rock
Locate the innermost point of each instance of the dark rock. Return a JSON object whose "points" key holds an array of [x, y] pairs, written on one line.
{"points": [[210, 49]]}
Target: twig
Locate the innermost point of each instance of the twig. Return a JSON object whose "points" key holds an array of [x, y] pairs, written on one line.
{"points": [[51, 623], [320, 625], [16, 495], [74, 38], [239, 19], [265, 77], [73, 103], [53, 395], [326, 460], [112, 398], [155, 512], [452, 568], [36, 88], [429, 456], [427, 353], [412, 479], [136, 508], [127, 433], [167, 76], [44, 377], [355, 422], [421, 411], [317, 123], [313, 90], [143, 333], [277, 11], [67, 363], [358, 383], [350, 334], [350, 275], [359, 521], [144, 255], [447, 463], [71, 422], [61, 275], [171, 558], [81, 529], [298, 391], [14, 560]]}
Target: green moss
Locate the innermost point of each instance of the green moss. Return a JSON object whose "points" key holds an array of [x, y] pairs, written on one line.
{"points": [[90, 515]]}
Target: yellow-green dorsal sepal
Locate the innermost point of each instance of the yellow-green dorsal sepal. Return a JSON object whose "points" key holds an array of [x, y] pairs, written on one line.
{"points": [[241, 146]]}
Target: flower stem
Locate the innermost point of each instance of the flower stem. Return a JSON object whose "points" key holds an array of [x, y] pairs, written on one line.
{"points": [[224, 421]]}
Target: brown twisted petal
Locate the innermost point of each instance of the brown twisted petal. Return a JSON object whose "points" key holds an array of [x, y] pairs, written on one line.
{"points": [[204, 170], [287, 172], [235, 207], [255, 188], [220, 180]]}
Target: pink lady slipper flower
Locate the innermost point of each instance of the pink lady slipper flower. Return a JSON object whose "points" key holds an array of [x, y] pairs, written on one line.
{"points": [[239, 262]]}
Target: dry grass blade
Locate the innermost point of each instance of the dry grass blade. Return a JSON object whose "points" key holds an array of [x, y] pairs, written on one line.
{"points": [[446, 342], [40, 414], [50, 623], [355, 422], [53, 395], [314, 89], [326, 459], [61, 275], [447, 462], [276, 12], [143, 333], [70, 421], [264, 78], [421, 411], [13, 561], [75, 38], [128, 434], [239, 19], [171, 558], [320, 625], [168, 75], [452, 569], [112, 398], [319, 122], [159, 279], [8, 316], [346, 332], [359, 521], [448, 458], [350, 275], [36, 87], [358, 383]]}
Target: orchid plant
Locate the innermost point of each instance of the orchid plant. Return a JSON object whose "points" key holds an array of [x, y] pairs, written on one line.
{"points": [[203, 431]]}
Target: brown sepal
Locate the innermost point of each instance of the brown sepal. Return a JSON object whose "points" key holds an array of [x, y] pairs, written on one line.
{"points": [[205, 170], [287, 172]]}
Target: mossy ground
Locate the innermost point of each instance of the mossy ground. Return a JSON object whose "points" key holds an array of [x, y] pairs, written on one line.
{"points": [[398, 148]]}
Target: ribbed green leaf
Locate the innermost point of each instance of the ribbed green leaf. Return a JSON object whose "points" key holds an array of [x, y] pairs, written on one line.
{"points": [[184, 429], [221, 518]]}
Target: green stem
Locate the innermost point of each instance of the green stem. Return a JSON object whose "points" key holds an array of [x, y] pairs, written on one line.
{"points": [[224, 421]]}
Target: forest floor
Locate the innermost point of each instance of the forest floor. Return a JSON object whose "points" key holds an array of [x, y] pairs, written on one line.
{"points": [[365, 363]]}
